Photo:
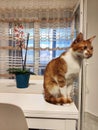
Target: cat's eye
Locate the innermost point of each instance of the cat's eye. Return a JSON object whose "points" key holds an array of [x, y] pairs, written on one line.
{"points": [[85, 47]]}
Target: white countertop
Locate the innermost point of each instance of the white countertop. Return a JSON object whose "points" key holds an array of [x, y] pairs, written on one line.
{"points": [[34, 105]]}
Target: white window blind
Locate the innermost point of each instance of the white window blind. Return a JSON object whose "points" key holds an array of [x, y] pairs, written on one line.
{"points": [[51, 33]]}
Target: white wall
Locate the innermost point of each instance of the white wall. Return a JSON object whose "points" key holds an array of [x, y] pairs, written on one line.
{"points": [[92, 68]]}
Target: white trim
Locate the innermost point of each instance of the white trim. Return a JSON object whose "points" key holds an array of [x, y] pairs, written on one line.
{"points": [[81, 15], [77, 5], [81, 73], [84, 64]]}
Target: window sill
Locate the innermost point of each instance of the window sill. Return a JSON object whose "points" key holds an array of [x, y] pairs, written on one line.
{"points": [[9, 86], [36, 77]]}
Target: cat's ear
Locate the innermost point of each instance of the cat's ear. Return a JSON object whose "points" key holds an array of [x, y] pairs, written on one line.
{"points": [[91, 39], [79, 38]]}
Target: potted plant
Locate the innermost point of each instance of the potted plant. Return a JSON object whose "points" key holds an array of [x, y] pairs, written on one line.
{"points": [[22, 74]]}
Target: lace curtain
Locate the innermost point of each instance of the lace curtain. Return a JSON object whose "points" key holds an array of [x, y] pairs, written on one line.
{"points": [[52, 27]]}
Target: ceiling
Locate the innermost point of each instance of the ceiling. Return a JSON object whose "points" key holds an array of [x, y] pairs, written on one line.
{"points": [[36, 10], [36, 4]]}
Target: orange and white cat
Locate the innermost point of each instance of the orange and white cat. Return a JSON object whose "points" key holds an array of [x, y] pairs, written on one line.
{"points": [[61, 71]]}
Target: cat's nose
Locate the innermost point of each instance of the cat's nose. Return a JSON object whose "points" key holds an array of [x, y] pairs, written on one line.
{"points": [[87, 54]]}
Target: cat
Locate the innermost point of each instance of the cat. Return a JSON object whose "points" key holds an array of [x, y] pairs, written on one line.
{"points": [[61, 72]]}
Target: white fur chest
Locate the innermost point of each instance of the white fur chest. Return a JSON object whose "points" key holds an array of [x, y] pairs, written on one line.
{"points": [[73, 66]]}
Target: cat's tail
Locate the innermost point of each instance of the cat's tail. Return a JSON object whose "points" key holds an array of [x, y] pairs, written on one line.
{"points": [[58, 100]]}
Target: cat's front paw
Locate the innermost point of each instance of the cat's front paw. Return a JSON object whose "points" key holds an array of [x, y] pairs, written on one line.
{"points": [[69, 100]]}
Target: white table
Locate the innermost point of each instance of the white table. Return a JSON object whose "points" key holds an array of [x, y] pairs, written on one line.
{"points": [[43, 115]]}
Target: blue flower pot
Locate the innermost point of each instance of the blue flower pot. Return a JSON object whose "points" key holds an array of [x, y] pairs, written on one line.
{"points": [[22, 80]]}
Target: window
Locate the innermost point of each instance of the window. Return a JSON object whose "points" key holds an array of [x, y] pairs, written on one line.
{"points": [[52, 43], [53, 38], [50, 35]]}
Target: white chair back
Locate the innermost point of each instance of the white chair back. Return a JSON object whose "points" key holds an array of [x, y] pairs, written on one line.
{"points": [[12, 117]]}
